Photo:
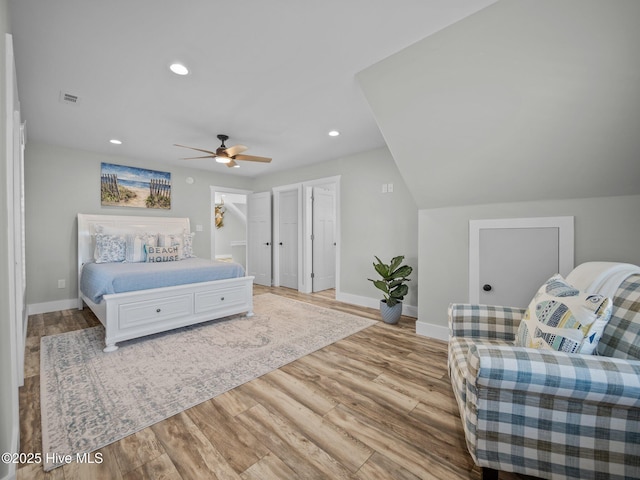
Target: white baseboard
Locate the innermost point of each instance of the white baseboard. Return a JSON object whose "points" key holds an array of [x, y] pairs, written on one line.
{"points": [[15, 441], [54, 306], [11, 474], [422, 328], [432, 331], [362, 301]]}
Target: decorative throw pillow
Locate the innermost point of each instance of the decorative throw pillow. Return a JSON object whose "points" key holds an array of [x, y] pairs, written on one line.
{"points": [[188, 244], [109, 248], [163, 254], [136, 242], [185, 240], [562, 318]]}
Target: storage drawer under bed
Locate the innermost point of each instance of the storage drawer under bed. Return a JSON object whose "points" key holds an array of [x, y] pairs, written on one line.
{"points": [[140, 313], [221, 298]]}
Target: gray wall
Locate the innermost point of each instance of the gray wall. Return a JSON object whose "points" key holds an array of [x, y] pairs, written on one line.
{"points": [[7, 393], [606, 229], [372, 223], [62, 182], [524, 100], [526, 108]]}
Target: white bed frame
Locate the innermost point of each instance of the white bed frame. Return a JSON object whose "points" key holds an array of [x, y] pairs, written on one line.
{"points": [[135, 314]]}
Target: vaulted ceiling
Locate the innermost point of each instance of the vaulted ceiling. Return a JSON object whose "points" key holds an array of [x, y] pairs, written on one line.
{"points": [[525, 100], [274, 75]]}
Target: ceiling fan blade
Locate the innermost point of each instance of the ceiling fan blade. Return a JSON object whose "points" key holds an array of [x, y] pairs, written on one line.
{"points": [[232, 163], [252, 158], [193, 158], [236, 149], [194, 148]]}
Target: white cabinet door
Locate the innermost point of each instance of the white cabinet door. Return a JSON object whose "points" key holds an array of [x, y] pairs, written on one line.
{"points": [[514, 262], [259, 237], [510, 258], [288, 241], [324, 243]]}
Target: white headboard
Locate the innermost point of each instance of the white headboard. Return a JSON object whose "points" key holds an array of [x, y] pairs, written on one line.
{"points": [[121, 223]]}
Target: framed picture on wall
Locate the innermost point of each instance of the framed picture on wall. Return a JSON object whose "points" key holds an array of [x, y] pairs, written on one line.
{"points": [[122, 186]]}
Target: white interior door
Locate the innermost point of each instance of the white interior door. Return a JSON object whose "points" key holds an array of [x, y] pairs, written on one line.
{"points": [[514, 262], [259, 237], [324, 243], [510, 259], [288, 238]]}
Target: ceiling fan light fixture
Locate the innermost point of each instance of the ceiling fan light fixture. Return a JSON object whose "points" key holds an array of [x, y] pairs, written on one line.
{"points": [[222, 159], [179, 69]]}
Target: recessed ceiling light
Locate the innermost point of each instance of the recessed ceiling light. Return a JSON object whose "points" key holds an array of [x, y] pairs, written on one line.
{"points": [[334, 133], [115, 141], [179, 69]]}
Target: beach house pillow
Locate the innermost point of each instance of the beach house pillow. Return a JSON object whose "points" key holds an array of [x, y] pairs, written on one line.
{"points": [[163, 254], [109, 248], [184, 239], [135, 243], [562, 318]]}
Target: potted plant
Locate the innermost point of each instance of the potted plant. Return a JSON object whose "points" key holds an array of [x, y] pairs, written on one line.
{"points": [[393, 286]]}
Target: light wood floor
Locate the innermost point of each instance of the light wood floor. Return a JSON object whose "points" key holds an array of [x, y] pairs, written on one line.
{"points": [[376, 405]]}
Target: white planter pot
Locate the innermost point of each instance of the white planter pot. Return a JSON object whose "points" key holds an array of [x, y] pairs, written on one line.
{"points": [[390, 314]]}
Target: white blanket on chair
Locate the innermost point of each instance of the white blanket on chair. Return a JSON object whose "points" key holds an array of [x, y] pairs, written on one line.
{"points": [[601, 277]]}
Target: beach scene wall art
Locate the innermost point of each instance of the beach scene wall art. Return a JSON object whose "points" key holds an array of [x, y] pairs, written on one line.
{"points": [[122, 186]]}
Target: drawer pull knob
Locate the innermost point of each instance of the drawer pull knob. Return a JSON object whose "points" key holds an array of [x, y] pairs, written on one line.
{"points": [[157, 310], [221, 299]]}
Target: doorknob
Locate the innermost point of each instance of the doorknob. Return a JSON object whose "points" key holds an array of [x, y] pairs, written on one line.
{"points": [[486, 287], [267, 244], [280, 243]]}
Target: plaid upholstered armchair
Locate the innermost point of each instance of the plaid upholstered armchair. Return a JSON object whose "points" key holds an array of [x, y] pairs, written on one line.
{"points": [[547, 413]]}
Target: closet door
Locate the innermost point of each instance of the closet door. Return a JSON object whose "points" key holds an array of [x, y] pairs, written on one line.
{"points": [[259, 237], [510, 258], [514, 262], [324, 239], [288, 238]]}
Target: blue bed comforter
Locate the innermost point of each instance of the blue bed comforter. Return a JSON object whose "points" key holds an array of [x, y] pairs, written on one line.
{"points": [[98, 279]]}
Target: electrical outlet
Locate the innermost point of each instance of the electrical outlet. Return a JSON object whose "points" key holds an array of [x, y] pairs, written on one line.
{"points": [[62, 283], [198, 228], [384, 188], [390, 188]]}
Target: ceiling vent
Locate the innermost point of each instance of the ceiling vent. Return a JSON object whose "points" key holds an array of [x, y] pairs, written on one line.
{"points": [[69, 99]]}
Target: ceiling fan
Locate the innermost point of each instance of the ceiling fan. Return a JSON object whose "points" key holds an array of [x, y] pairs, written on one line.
{"points": [[227, 155]]}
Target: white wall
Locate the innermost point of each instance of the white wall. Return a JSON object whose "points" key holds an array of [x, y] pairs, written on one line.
{"points": [[234, 229], [606, 229], [372, 222], [62, 182]]}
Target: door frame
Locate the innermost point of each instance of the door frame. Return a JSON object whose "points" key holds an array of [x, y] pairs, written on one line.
{"points": [[212, 215], [14, 274], [565, 226], [276, 232], [305, 215]]}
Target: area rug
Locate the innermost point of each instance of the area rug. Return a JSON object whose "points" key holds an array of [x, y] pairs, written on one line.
{"points": [[90, 399]]}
